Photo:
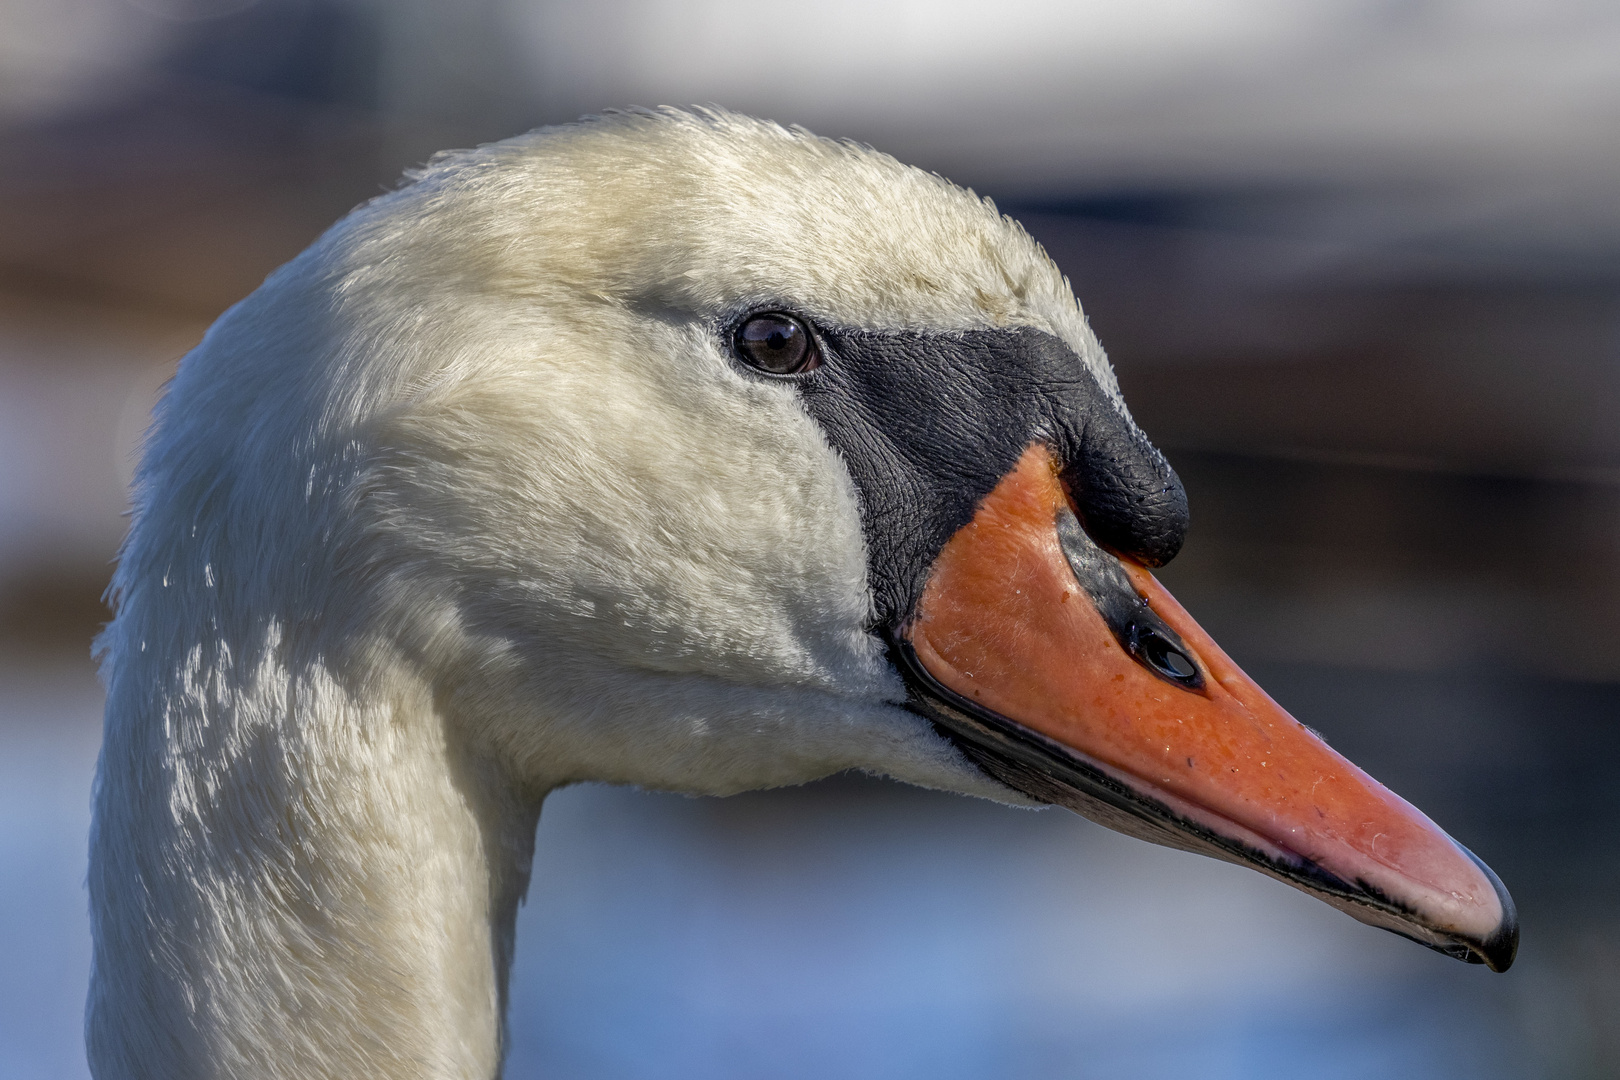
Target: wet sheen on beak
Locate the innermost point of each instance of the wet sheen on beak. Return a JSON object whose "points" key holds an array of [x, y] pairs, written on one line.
{"points": [[1153, 729]]}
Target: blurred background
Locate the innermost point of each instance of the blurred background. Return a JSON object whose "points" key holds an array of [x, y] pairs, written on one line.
{"points": [[1358, 265]]}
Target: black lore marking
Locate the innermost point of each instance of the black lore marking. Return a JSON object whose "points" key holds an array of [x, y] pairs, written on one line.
{"points": [[929, 423]]}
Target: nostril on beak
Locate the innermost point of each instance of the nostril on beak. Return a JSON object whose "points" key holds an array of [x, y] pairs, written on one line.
{"points": [[1138, 629], [1166, 658]]}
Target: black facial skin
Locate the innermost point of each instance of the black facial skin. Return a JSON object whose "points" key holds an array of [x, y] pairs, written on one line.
{"points": [[928, 424]]}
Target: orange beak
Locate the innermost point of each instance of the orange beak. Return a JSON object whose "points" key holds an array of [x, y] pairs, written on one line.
{"points": [[1075, 677]]}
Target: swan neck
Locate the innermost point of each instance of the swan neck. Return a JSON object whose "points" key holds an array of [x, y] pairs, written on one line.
{"points": [[297, 876]]}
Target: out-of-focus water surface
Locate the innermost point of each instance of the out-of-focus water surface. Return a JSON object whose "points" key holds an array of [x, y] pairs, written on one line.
{"points": [[49, 730], [865, 931]]}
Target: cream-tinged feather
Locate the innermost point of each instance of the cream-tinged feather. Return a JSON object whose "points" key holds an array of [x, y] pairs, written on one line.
{"points": [[467, 502]]}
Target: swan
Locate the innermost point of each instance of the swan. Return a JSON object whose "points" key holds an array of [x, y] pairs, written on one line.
{"points": [[669, 448]]}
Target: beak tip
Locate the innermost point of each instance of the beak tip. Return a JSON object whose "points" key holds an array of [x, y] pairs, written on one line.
{"points": [[1495, 950], [1498, 951]]}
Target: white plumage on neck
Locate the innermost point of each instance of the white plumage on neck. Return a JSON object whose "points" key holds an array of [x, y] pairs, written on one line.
{"points": [[465, 503], [327, 886]]}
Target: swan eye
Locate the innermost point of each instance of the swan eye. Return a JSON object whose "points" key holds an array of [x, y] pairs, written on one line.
{"points": [[777, 344]]}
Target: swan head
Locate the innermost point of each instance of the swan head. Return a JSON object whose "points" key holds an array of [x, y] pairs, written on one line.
{"points": [[684, 450]]}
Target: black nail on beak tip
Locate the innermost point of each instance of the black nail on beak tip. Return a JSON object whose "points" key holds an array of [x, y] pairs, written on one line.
{"points": [[1498, 951]]}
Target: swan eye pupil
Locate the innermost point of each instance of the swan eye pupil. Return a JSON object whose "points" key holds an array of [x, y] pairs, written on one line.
{"points": [[777, 344]]}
